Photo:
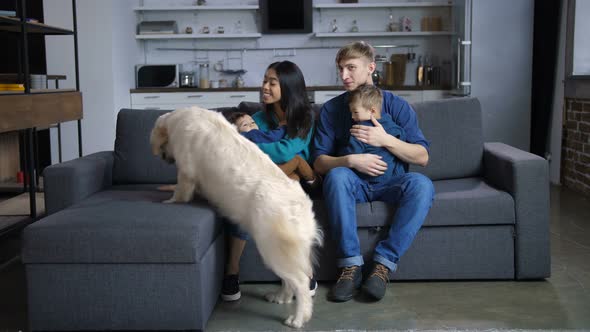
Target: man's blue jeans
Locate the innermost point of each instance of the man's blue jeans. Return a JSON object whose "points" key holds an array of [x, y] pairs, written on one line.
{"points": [[413, 192]]}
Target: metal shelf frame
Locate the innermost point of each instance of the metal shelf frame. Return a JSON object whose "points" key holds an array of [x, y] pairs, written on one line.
{"points": [[23, 28]]}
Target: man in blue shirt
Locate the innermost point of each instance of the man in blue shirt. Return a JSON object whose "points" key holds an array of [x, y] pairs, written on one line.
{"points": [[343, 188]]}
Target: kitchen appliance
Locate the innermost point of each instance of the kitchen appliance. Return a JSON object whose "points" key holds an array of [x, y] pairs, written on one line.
{"points": [[157, 76], [282, 17]]}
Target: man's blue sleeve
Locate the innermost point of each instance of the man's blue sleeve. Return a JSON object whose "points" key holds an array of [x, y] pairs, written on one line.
{"points": [[324, 139]]}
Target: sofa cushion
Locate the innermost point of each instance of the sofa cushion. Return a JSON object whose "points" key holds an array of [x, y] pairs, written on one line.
{"points": [[121, 226], [134, 161], [458, 202], [454, 130]]}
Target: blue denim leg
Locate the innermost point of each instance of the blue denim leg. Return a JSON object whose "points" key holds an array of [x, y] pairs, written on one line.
{"points": [[414, 193], [342, 190], [235, 230]]}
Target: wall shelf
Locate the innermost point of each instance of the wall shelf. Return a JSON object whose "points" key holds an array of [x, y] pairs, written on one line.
{"points": [[24, 111], [382, 5], [10, 24], [199, 8], [200, 36], [382, 34], [37, 91]]}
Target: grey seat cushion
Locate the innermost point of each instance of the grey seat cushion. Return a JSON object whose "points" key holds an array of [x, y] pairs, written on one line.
{"points": [[121, 226], [457, 202]]}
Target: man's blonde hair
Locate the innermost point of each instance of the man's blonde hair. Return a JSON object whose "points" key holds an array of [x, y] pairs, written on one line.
{"points": [[356, 50], [368, 96]]}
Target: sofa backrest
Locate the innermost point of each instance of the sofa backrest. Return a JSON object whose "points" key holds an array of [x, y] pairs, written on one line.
{"points": [[134, 161], [454, 129]]}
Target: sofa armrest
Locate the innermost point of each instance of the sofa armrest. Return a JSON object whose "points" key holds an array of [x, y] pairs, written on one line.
{"points": [[72, 181], [526, 177]]}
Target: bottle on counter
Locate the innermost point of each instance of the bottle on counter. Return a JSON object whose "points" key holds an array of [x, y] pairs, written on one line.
{"points": [[420, 72], [239, 82], [204, 76], [427, 72]]}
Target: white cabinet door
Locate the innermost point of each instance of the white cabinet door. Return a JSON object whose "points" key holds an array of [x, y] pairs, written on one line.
{"points": [[320, 97], [409, 95], [429, 95], [172, 100], [153, 107]]}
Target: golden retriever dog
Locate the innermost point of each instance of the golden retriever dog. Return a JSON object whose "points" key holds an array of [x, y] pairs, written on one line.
{"points": [[242, 182]]}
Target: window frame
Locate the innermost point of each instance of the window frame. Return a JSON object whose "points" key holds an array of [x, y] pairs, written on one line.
{"points": [[576, 86]]}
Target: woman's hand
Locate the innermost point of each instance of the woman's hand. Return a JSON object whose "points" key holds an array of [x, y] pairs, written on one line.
{"points": [[368, 163], [375, 136]]}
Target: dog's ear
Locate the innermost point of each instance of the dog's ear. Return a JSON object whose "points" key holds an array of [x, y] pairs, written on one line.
{"points": [[159, 135]]}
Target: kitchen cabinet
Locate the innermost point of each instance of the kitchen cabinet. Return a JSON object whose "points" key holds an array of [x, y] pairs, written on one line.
{"points": [[429, 95], [412, 96], [172, 100], [320, 97]]}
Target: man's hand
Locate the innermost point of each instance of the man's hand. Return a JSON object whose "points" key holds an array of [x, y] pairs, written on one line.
{"points": [[375, 136], [368, 163]]}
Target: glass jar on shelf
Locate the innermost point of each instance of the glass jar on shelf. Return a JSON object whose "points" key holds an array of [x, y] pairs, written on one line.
{"points": [[204, 76]]}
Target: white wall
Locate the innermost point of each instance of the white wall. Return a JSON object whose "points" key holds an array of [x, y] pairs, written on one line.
{"points": [[502, 37], [502, 53], [106, 48]]}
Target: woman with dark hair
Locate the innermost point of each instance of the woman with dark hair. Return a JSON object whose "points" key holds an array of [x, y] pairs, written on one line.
{"points": [[285, 104]]}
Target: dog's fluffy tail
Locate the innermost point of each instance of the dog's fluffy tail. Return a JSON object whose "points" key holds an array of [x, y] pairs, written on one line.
{"points": [[318, 241], [300, 248]]}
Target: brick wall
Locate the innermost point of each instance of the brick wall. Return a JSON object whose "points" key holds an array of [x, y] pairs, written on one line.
{"points": [[575, 147]]}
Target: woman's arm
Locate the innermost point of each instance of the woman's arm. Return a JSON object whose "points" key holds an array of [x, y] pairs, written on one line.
{"points": [[284, 149], [259, 136]]}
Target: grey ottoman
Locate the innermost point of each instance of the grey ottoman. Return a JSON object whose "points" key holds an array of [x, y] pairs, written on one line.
{"points": [[121, 260]]}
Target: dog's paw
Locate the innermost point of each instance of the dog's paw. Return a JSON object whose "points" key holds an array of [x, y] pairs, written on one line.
{"points": [[293, 322], [169, 201], [278, 297]]}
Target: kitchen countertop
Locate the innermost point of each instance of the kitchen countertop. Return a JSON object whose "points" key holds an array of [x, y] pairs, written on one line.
{"points": [[309, 88]]}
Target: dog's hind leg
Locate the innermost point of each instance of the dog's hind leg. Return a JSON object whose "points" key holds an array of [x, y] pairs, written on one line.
{"points": [[284, 295], [304, 307]]}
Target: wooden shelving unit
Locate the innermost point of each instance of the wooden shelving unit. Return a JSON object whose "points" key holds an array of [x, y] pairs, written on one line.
{"points": [[10, 24], [25, 111]]}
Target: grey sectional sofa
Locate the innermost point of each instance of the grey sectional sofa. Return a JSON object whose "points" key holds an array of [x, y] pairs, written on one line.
{"points": [[110, 256]]}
